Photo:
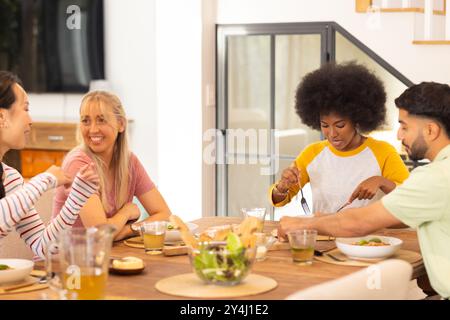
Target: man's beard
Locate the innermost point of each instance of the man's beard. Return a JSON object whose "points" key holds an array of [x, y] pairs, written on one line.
{"points": [[418, 149]]}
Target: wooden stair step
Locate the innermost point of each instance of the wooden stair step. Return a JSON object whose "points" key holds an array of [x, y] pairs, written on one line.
{"points": [[362, 6], [432, 42], [417, 10]]}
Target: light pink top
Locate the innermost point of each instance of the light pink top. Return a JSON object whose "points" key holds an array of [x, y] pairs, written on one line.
{"points": [[138, 184]]}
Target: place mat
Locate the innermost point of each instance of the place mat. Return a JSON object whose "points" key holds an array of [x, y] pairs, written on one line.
{"points": [[28, 284], [406, 255], [189, 285], [133, 244]]}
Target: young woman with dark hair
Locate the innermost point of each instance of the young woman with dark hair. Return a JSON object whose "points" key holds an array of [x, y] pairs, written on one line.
{"points": [[17, 198]]}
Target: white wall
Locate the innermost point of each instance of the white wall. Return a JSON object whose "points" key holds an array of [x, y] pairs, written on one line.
{"points": [[179, 101], [153, 56], [392, 41], [209, 16], [130, 66], [54, 107]]}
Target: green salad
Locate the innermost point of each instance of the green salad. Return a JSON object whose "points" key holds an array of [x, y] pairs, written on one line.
{"points": [[170, 226], [4, 267], [373, 242], [225, 263]]}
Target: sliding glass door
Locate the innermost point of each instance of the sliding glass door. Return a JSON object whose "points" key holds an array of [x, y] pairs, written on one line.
{"points": [[261, 132]]}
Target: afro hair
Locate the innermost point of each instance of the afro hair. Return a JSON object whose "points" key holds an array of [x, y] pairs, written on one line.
{"points": [[349, 90]]}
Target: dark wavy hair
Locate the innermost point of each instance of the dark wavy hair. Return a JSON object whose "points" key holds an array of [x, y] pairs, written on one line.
{"points": [[428, 99], [349, 90], [7, 99]]}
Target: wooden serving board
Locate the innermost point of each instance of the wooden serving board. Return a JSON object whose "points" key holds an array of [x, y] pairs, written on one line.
{"points": [[168, 250]]}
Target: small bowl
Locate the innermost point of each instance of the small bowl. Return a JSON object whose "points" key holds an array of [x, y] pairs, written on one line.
{"points": [[358, 252], [263, 244], [124, 271], [234, 266], [20, 269]]}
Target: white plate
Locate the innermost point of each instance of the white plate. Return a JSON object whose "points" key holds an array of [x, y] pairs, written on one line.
{"points": [[346, 246], [174, 235], [21, 269]]}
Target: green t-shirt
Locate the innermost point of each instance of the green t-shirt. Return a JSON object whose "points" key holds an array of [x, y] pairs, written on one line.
{"points": [[423, 202]]}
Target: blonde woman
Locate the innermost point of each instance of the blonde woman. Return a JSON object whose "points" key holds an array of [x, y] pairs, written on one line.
{"points": [[103, 129]]}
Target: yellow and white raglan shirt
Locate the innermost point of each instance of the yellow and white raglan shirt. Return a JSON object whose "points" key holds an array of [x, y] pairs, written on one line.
{"points": [[334, 174]]}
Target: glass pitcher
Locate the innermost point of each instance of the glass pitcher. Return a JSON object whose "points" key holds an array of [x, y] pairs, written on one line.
{"points": [[83, 262]]}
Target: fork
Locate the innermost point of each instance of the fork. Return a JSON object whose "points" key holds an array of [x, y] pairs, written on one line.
{"points": [[303, 202]]}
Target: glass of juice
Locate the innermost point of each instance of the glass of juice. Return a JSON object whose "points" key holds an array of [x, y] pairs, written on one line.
{"points": [[302, 244], [153, 234], [90, 284], [81, 268]]}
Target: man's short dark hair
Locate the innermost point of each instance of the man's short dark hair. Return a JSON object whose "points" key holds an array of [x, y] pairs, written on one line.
{"points": [[428, 99]]}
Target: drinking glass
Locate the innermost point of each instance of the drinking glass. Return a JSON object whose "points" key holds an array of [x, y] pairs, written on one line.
{"points": [[302, 244], [259, 213], [153, 234], [83, 262]]}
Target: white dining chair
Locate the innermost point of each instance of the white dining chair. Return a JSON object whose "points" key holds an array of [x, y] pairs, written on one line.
{"points": [[387, 280], [12, 246]]}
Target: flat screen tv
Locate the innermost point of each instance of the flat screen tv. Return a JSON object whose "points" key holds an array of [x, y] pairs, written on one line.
{"points": [[53, 45]]}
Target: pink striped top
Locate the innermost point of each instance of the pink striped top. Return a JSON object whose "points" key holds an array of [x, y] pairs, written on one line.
{"points": [[17, 208]]}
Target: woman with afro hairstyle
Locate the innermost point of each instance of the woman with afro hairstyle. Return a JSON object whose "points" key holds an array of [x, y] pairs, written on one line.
{"points": [[344, 101]]}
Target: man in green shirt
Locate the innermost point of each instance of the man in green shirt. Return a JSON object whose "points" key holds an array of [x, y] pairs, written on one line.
{"points": [[423, 200]]}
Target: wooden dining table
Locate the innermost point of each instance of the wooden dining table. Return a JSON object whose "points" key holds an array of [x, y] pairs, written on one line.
{"points": [[278, 265]]}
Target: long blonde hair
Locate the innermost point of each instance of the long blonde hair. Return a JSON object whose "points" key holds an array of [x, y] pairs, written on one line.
{"points": [[111, 107]]}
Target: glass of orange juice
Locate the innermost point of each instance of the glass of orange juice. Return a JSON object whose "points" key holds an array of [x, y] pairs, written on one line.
{"points": [[153, 234]]}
